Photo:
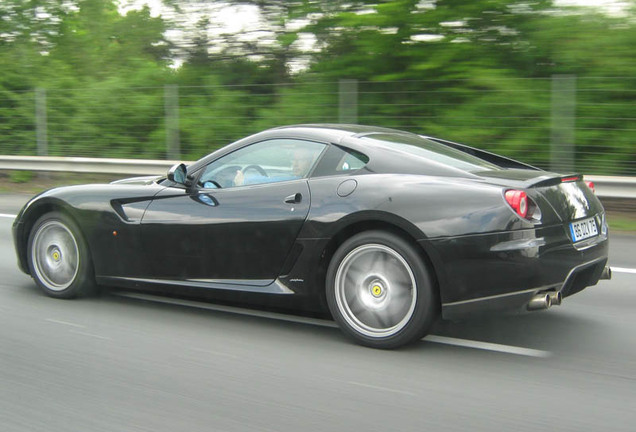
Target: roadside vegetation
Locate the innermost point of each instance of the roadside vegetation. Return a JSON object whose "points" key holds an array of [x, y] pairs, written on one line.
{"points": [[475, 71], [622, 222]]}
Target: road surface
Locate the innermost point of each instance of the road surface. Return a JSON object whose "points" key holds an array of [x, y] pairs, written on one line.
{"points": [[145, 363]]}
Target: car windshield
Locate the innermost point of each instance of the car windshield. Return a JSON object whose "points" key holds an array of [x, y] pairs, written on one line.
{"points": [[431, 150]]}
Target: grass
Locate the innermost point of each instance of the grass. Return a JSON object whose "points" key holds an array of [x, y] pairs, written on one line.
{"points": [[621, 222]]}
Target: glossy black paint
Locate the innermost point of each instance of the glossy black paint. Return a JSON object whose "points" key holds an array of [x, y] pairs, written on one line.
{"points": [[238, 233], [256, 239]]}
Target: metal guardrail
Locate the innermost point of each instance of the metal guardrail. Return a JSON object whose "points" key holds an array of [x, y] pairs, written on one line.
{"points": [[85, 165], [606, 186], [614, 187]]}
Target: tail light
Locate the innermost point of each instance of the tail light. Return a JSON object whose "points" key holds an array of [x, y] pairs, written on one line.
{"points": [[518, 200], [590, 184]]}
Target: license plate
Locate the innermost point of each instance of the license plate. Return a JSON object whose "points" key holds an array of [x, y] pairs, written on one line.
{"points": [[583, 229]]}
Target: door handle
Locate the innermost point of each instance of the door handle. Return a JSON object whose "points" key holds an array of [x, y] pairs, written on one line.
{"points": [[294, 199]]}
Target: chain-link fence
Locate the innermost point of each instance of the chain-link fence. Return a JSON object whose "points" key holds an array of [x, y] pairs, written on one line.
{"points": [[563, 122]]}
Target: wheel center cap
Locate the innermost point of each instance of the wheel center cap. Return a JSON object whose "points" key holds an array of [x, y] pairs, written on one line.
{"points": [[377, 288], [374, 292], [56, 255]]}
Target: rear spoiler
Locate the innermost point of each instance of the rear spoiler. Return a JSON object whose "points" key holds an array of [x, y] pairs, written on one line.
{"points": [[556, 180]]}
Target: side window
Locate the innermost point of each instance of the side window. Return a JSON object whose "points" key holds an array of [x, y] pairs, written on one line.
{"points": [[264, 162], [340, 160], [352, 161]]}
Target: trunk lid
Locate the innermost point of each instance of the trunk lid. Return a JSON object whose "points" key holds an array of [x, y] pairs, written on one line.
{"points": [[567, 195]]}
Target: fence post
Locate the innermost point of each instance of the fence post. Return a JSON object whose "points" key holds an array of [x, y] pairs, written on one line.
{"points": [[348, 101], [562, 123], [40, 122], [171, 104]]}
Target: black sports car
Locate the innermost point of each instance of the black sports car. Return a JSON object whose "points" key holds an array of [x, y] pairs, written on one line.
{"points": [[388, 229]]}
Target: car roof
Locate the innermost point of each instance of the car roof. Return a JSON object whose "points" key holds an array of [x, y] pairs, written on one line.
{"points": [[328, 133], [338, 128], [382, 158], [336, 133]]}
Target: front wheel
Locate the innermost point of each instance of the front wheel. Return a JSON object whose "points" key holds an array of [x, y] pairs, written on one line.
{"points": [[59, 260], [380, 291]]}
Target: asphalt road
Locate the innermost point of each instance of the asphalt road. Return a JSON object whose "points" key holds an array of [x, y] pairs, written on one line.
{"points": [[117, 363]]}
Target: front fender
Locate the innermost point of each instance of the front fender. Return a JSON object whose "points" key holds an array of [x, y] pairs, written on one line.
{"points": [[90, 206]]}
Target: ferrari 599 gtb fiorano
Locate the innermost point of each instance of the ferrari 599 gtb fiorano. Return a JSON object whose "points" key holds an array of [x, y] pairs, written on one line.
{"points": [[388, 230]]}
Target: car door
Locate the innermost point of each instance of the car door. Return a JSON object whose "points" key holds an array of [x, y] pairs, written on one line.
{"points": [[240, 233]]}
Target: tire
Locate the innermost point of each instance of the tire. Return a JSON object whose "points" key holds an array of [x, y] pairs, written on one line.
{"points": [[58, 257], [380, 291]]}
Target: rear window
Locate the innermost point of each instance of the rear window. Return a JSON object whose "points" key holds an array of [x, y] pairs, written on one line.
{"points": [[431, 150]]}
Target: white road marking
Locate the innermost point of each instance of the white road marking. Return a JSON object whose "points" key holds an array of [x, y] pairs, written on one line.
{"points": [[381, 388], [64, 323], [10, 216], [90, 335], [231, 309], [623, 270], [508, 349]]}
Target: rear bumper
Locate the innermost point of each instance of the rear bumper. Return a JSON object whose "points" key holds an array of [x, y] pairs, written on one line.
{"points": [[503, 271], [581, 277]]}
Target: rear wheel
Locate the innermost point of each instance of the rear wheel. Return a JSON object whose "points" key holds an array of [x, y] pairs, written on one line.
{"points": [[380, 291], [59, 260]]}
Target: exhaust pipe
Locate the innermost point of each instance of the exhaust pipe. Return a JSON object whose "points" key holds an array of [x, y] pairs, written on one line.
{"points": [[540, 301], [555, 298], [607, 273]]}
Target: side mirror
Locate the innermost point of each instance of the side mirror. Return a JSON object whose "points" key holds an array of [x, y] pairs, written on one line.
{"points": [[177, 173]]}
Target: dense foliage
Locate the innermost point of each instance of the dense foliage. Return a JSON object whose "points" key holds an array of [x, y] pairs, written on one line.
{"points": [[478, 72]]}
